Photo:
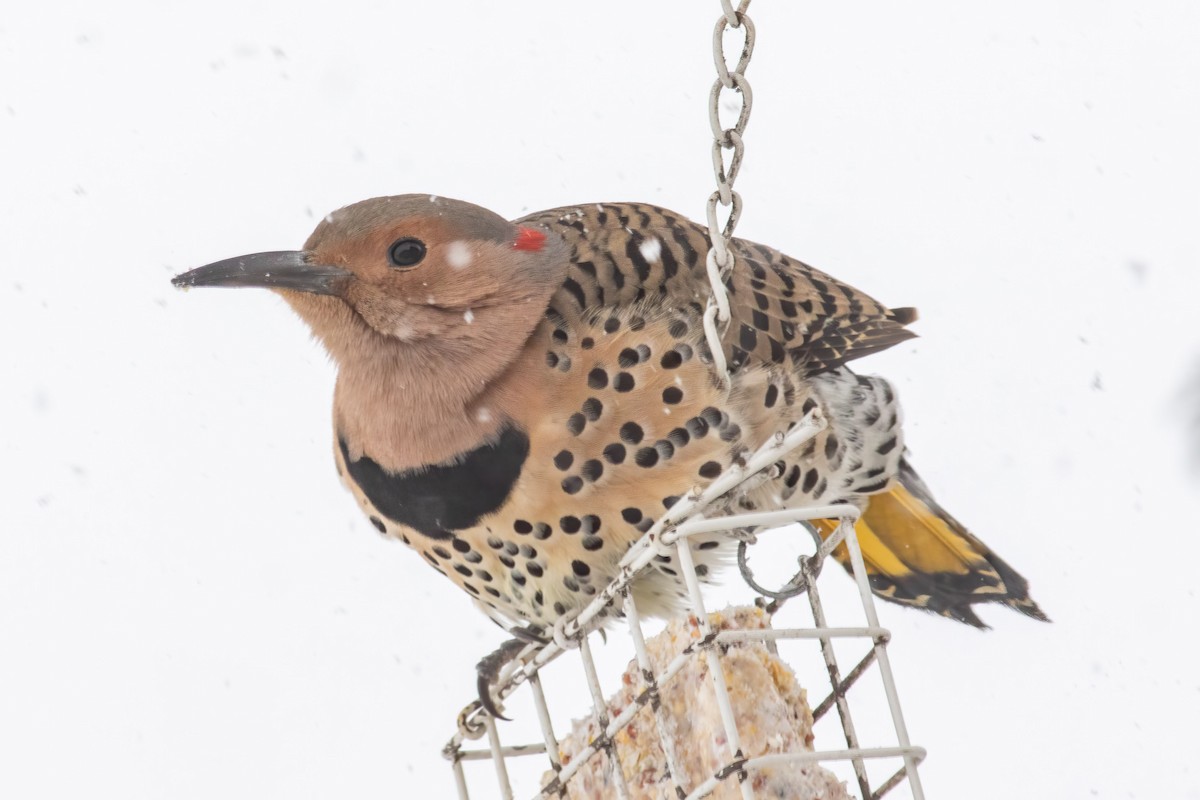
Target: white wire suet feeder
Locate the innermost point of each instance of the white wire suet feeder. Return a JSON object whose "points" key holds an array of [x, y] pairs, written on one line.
{"points": [[669, 536]]}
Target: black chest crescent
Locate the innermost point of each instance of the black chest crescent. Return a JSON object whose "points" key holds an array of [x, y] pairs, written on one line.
{"points": [[440, 499]]}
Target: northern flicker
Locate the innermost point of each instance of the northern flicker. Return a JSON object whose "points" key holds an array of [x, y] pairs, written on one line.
{"points": [[519, 401]]}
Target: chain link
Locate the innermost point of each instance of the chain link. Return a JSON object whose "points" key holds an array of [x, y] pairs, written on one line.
{"points": [[720, 260], [731, 16]]}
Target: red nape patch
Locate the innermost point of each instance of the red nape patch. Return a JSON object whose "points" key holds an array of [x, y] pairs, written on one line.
{"points": [[529, 239]]}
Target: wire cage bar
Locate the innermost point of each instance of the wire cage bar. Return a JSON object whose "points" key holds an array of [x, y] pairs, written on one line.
{"points": [[670, 536]]}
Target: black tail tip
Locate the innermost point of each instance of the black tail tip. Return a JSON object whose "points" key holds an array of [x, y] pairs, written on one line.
{"points": [[964, 613], [1029, 609]]}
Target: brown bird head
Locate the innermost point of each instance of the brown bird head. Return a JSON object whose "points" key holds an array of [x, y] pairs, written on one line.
{"points": [[410, 268], [425, 303]]}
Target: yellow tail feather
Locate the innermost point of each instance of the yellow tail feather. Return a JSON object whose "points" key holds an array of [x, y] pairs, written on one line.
{"points": [[918, 555]]}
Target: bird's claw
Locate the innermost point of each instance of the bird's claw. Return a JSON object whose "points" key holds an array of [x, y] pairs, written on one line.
{"points": [[489, 668], [530, 634]]}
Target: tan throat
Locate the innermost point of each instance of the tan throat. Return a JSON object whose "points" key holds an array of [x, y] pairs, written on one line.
{"points": [[409, 405]]}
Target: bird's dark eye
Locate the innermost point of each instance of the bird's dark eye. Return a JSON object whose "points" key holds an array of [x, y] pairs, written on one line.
{"points": [[407, 252]]}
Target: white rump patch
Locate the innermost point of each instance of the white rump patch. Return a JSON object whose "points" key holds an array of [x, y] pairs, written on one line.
{"points": [[468, 316]]}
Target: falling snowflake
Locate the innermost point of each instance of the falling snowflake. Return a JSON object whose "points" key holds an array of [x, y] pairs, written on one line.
{"points": [[651, 250], [458, 254]]}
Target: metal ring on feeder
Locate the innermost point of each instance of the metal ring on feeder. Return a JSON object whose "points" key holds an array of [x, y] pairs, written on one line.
{"points": [[810, 570]]}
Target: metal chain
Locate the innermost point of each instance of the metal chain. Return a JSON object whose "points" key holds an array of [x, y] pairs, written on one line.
{"points": [[720, 260]]}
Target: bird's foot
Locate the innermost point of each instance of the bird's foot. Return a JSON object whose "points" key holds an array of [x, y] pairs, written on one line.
{"points": [[490, 666]]}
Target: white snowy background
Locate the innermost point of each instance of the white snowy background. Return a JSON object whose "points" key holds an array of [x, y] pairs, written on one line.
{"points": [[192, 607]]}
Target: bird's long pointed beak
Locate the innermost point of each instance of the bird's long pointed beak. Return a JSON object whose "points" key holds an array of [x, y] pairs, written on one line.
{"points": [[281, 269]]}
